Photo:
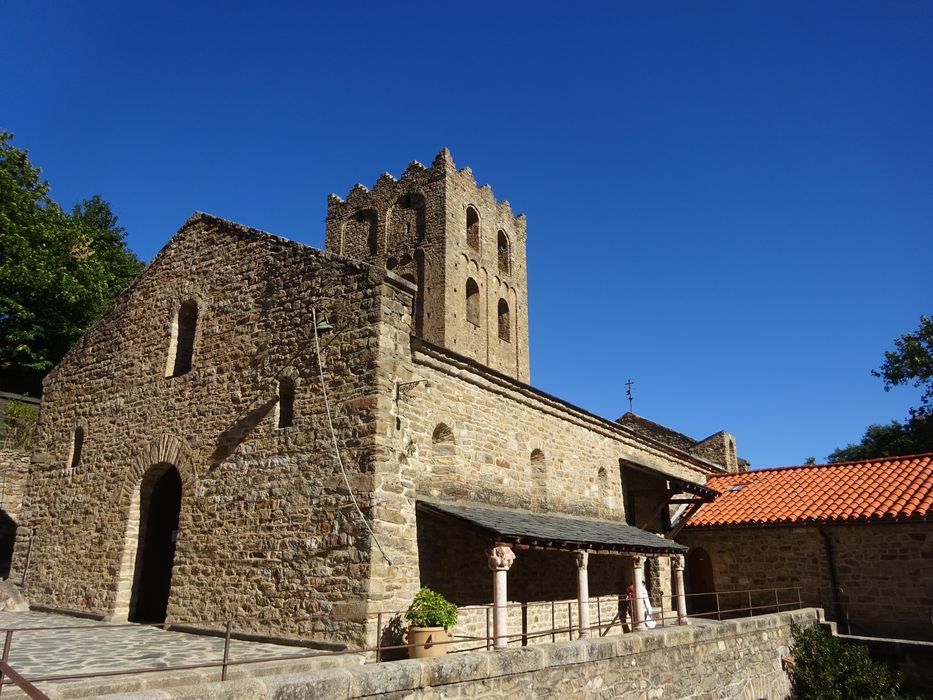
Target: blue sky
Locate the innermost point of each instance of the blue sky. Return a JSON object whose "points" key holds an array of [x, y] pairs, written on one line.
{"points": [[729, 203]]}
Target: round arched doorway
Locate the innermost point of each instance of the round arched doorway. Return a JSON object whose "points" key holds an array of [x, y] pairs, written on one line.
{"points": [[702, 586], [160, 505]]}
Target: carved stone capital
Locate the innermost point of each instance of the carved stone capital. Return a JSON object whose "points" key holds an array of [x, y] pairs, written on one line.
{"points": [[500, 557], [638, 561], [677, 561], [583, 559]]}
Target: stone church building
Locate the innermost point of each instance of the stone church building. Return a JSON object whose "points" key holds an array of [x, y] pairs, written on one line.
{"points": [[298, 439]]}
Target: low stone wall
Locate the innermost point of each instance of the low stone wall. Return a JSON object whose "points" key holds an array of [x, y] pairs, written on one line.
{"points": [[913, 659], [739, 659]]}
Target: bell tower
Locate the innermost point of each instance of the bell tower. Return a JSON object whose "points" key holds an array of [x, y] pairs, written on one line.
{"points": [[463, 249]]}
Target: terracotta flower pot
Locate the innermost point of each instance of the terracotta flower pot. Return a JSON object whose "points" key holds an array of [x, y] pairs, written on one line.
{"points": [[427, 641]]}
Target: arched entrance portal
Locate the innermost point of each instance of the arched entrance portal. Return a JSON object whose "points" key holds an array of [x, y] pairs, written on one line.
{"points": [[160, 504], [700, 577]]}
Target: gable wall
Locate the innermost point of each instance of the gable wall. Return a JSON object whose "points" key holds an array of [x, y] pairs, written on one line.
{"points": [[268, 536]]}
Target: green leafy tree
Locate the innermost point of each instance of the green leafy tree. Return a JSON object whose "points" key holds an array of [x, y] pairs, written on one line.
{"points": [[58, 271], [826, 668], [17, 423], [911, 362]]}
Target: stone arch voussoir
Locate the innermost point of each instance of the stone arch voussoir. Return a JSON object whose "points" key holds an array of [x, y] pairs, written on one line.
{"points": [[164, 449]]}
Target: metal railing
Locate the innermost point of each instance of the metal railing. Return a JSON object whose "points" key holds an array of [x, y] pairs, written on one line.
{"points": [[758, 602]]}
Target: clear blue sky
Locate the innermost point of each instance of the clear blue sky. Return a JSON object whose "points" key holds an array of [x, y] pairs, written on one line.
{"points": [[729, 203]]}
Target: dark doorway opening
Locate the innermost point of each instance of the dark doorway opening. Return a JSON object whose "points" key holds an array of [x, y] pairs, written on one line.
{"points": [[160, 504], [7, 540], [700, 579]]}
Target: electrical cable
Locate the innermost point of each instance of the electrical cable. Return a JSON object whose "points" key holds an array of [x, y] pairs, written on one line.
{"points": [[333, 435]]}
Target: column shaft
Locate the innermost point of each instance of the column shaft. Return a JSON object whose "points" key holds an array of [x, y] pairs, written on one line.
{"points": [[583, 594]]}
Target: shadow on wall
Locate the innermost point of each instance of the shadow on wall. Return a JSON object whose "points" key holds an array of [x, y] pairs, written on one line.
{"points": [[230, 438]]}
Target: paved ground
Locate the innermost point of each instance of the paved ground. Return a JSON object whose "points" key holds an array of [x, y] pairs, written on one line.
{"points": [[87, 647]]}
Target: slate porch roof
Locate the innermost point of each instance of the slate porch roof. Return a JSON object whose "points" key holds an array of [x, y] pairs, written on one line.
{"points": [[890, 489], [522, 527]]}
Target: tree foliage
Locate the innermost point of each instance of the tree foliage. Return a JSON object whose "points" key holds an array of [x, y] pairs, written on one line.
{"points": [[911, 362], [826, 668], [17, 424], [58, 270]]}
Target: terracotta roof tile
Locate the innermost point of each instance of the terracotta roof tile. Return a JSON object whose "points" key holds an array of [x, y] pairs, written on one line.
{"points": [[893, 488]]}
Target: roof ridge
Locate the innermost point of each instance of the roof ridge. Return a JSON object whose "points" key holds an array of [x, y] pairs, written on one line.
{"points": [[898, 458]]}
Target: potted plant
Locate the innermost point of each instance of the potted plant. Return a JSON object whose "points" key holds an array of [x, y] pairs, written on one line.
{"points": [[430, 615]]}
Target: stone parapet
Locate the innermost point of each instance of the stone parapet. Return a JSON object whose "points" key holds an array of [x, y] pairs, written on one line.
{"points": [[737, 659]]}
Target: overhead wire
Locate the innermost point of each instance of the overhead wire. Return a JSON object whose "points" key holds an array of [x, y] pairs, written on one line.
{"points": [[333, 435]]}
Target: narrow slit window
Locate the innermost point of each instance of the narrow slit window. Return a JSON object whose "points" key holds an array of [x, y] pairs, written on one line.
{"points": [[504, 322], [181, 350], [286, 403], [77, 445], [472, 301]]}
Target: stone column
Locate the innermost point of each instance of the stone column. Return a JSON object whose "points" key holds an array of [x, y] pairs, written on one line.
{"points": [[500, 558], [638, 603], [680, 600], [583, 594]]}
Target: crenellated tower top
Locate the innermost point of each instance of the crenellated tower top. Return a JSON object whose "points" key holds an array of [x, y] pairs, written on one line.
{"points": [[463, 248]]}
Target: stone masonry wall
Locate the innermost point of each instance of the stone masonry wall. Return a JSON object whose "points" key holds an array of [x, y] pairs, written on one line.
{"points": [[14, 471], [465, 433], [417, 227], [737, 660], [482, 341], [268, 535], [884, 570]]}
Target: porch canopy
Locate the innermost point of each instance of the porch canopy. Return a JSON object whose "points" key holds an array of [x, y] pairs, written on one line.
{"points": [[523, 528]]}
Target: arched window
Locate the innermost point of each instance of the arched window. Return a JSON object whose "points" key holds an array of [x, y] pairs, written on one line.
{"points": [[369, 219], [181, 348], [442, 440], [472, 301], [505, 253], [472, 228], [361, 233], [504, 324], [77, 445], [442, 434], [286, 402], [538, 478]]}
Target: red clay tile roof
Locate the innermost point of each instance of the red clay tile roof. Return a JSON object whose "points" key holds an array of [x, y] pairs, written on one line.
{"points": [[890, 488]]}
